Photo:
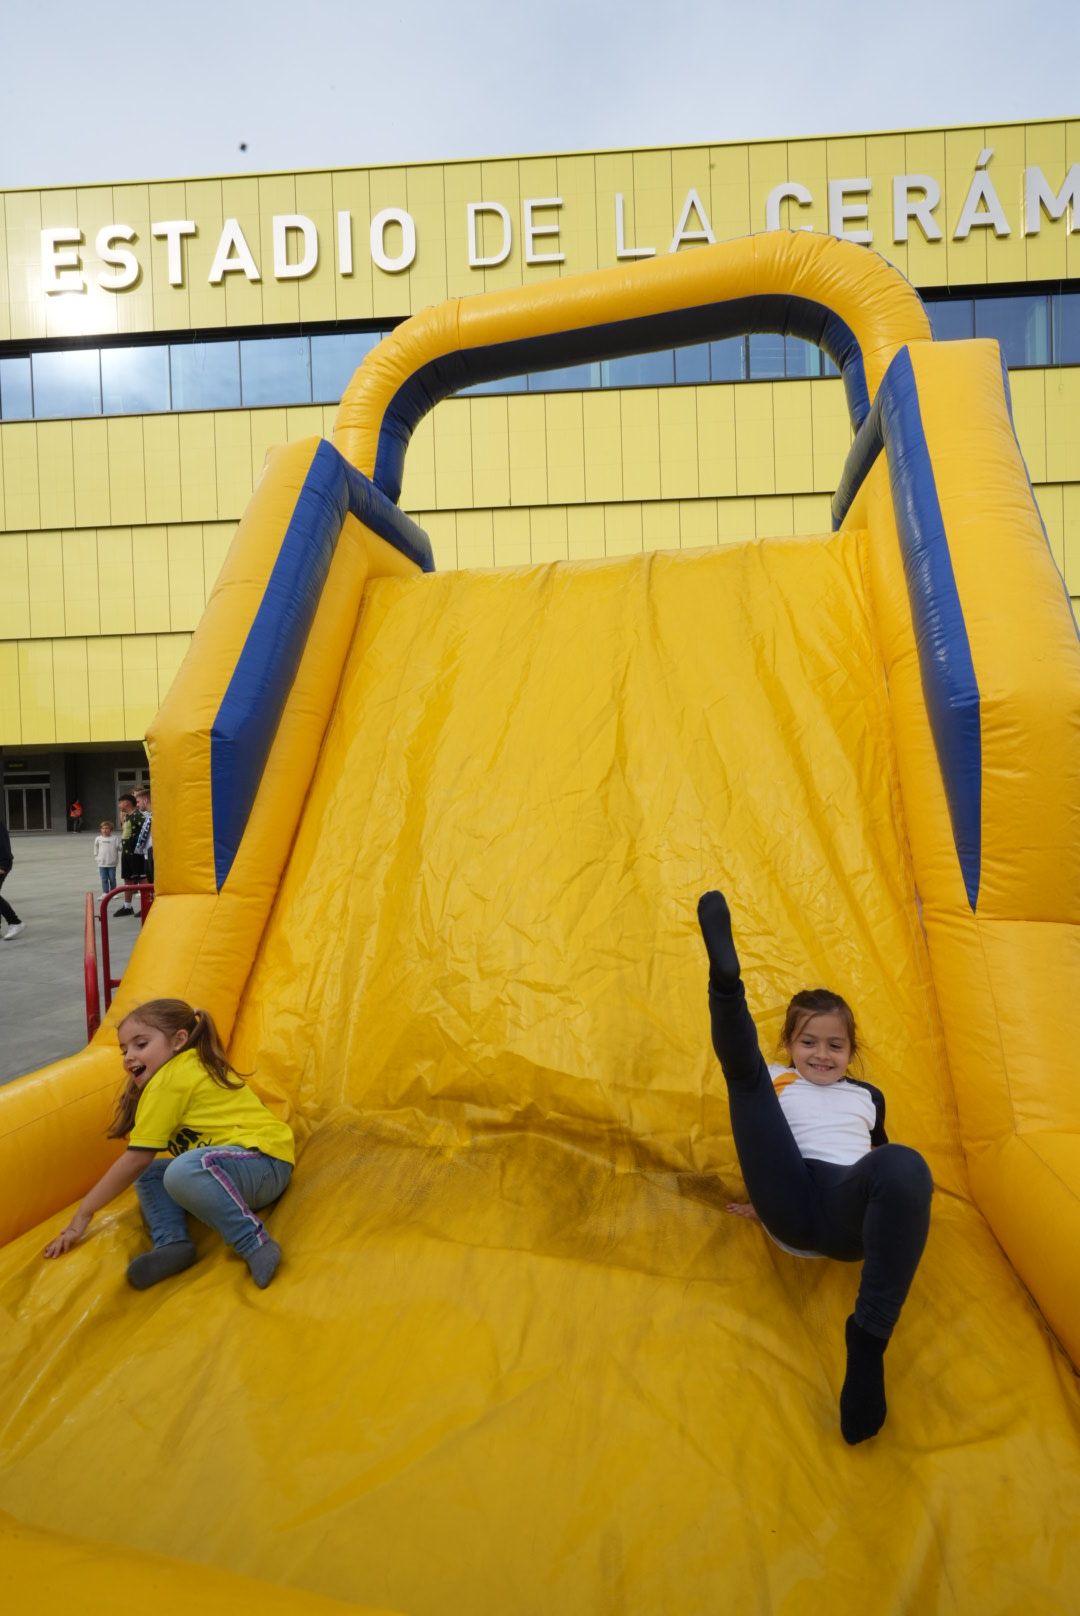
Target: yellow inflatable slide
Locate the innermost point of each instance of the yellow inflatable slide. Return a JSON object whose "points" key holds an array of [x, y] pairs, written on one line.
{"points": [[429, 849]]}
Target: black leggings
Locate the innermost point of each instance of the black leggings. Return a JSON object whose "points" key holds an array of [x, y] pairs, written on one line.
{"points": [[877, 1209], [6, 911]]}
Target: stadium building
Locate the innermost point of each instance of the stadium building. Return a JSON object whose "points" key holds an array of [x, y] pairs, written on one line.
{"points": [[157, 338]]}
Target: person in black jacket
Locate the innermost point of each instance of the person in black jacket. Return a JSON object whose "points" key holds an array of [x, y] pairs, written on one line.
{"points": [[14, 924]]}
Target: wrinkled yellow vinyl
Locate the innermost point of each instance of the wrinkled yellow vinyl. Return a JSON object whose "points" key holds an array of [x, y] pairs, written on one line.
{"points": [[519, 1359]]}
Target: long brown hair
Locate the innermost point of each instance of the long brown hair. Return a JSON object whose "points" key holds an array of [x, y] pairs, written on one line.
{"points": [[171, 1016], [817, 1002]]}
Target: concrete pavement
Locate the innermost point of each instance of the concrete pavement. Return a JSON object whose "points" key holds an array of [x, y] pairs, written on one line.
{"points": [[42, 998]]}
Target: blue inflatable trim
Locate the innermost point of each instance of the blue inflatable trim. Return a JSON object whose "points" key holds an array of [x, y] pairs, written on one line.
{"points": [[950, 689], [246, 722], [465, 367]]}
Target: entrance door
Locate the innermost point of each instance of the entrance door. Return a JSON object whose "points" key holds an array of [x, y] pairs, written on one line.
{"points": [[129, 779], [29, 804]]}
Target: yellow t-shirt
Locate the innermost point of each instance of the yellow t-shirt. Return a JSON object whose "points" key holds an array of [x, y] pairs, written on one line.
{"points": [[182, 1108]]}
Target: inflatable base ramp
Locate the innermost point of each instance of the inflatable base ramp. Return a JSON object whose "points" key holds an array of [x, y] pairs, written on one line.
{"points": [[518, 1357]]}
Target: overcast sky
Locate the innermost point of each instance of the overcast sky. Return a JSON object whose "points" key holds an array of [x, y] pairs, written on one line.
{"points": [[147, 91]]}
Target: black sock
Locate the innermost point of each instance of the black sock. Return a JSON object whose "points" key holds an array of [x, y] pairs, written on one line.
{"points": [[862, 1398], [714, 918]]}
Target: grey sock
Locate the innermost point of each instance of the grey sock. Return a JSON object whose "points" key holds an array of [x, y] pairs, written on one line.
{"points": [[159, 1264], [263, 1262]]}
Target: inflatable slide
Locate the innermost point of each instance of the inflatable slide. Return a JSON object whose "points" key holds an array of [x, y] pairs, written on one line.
{"points": [[429, 848]]}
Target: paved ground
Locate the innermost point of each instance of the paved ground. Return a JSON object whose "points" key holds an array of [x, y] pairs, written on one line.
{"points": [[42, 1000]]}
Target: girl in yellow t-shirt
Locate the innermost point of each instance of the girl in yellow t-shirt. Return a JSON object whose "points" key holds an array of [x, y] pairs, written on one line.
{"points": [[227, 1154]]}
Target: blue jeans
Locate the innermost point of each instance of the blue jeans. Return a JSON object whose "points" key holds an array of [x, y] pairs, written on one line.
{"points": [[107, 873], [220, 1184]]}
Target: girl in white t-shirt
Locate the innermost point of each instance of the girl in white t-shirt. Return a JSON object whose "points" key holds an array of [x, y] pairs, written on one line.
{"points": [[820, 1172]]}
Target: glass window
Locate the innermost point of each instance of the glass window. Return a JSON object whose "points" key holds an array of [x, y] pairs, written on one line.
{"points": [[952, 318], [67, 384], [801, 358], [567, 379], [275, 370], [692, 364], [766, 356], [16, 396], [501, 384], [1067, 328], [727, 359], [1020, 324], [829, 367], [639, 370], [134, 381], [205, 375], [334, 361]]}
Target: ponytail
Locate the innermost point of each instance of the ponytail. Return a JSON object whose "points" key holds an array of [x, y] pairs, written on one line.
{"points": [[171, 1016]]}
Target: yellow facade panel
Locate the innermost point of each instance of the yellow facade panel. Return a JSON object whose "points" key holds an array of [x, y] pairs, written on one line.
{"points": [[966, 257], [15, 572], [441, 529], [660, 525], [1029, 391], [528, 450], [22, 219], [885, 157], [90, 458], [754, 438], [79, 558], [622, 530], [484, 419], [186, 577], [584, 532], [831, 427], [418, 486], [171, 650], [808, 164], [926, 258], [640, 422], [116, 581], [72, 690], [767, 166], [734, 521], [462, 184], [690, 172], [161, 467], [453, 456], [387, 191], [812, 513], [475, 539], [268, 429], [565, 428], [1008, 260], [351, 196], [317, 290], [232, 460], [716, 440], [512, 537], [37, 693], [1051, 503], [18, 443], [550, 540], [46, 578], [172, 310], [1045, 250], [216, 539], [279, 298], [678, 428], [1070, 530], [697, 524], [5, 291], [615, 178], [425, 199], [56, 473], [11, 726], [499, 182], [136, 308], [655, 206], [732, 214], [1072, 240], [142, 698], [538, 182], [774, 518], [576, 184], [244, 296], [602, 426], [203, 205], [127, 474], [150, 557], [794, 447], [198, 468], [1062, 395], [105, 682]]}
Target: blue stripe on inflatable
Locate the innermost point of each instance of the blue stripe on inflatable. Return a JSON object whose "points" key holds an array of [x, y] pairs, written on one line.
{"points": [[247, 720], [861, 457], [449, 373], [949, 686]]}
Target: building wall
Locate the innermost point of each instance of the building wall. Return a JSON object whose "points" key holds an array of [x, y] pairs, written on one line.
{"points": [[112, 530]]}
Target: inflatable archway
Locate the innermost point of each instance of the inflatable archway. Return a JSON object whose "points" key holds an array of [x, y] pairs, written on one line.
{"points": [[429, 850]]}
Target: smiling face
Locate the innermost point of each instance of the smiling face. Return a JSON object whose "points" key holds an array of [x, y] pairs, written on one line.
{"points": [[146, 1049], [820, 1048]]}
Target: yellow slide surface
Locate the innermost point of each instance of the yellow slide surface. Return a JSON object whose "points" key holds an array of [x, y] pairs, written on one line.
{"points": [[518, 1358]]}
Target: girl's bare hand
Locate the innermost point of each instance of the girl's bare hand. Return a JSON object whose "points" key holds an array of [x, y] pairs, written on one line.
{"points": [[742, 1209], [67, 1237]]}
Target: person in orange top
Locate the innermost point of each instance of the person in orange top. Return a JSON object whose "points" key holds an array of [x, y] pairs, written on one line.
{"points": [[226, 1154]]}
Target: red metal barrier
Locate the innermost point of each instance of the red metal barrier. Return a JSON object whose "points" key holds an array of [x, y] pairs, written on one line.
{"points": [[146, 898], [90, 971]]}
